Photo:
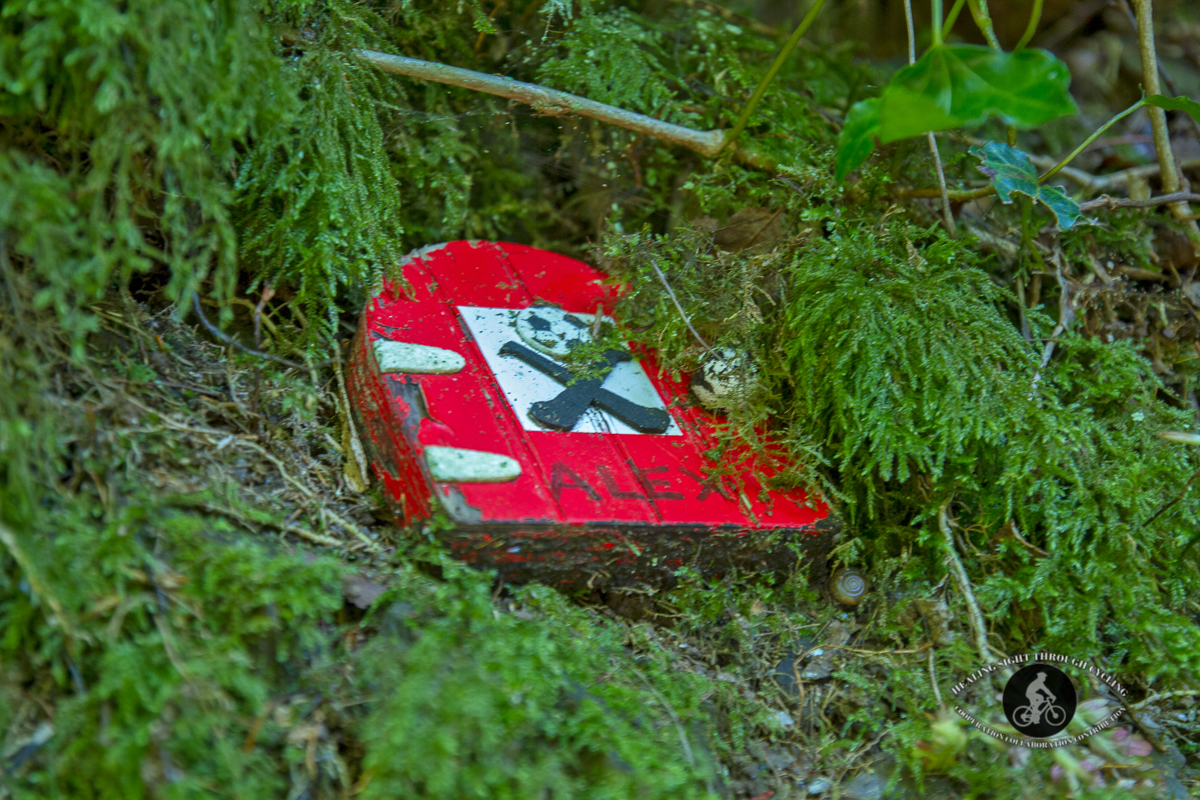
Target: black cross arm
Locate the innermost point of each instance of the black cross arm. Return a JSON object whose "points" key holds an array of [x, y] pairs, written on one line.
{"points": [[642, 419]]}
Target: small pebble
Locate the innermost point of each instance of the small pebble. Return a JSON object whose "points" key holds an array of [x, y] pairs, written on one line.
{"points": [[820, 785]]}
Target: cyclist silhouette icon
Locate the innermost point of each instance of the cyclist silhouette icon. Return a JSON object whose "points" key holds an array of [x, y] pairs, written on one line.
{"points": [[1039, 700]]}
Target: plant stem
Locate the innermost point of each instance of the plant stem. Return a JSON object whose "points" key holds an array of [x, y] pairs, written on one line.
{"points": [[947, 213], [952, 17], [979, 10], [912, 38], [1158, 120], [1034, 18], [1096, 135], [804, 25]]}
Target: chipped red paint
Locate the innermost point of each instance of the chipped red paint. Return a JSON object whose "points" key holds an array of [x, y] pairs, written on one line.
{"points": [[579, 494]]}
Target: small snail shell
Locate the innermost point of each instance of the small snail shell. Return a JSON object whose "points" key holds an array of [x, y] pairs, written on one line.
{"points": [[848, 586], [724, 379]]}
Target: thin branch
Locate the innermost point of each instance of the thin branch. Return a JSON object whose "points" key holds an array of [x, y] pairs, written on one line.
{"points": [[964, 585], [229, 340], [548, 101], [678, 307], [933, 681], [1094, 183], [1162, 69], [1104, 201], [1066, 315], [1101, 182], [1165, 696], [1158, 119], [39, 587], [683, 739]]}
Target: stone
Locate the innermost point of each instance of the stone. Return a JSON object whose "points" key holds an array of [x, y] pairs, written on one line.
{"points": [[404, 357], [725, 377], [819, 785], [470, 466]]}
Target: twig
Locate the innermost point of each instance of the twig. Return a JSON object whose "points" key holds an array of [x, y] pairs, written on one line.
{"points": [[1100, 182], [937, 693], [1162, 68], [964, 585], [1149, 735], [1158, 120], [1070, 24], [1165, 696], [683, 739], [678, 307], [357, 453], [1170, 503], [1104, 201], [229, 340], [371, 545], [39, 587], [160, 382], [548, 101], [1066, 315], [920, 649], [291, 528], [1016, 532]]}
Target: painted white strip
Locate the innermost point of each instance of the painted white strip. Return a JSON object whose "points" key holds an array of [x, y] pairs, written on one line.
{"points": [[403, 357], [523, 385], [456, 465]]}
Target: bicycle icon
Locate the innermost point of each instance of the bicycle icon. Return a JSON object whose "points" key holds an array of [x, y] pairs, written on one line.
{"points": [[1052, 714]]}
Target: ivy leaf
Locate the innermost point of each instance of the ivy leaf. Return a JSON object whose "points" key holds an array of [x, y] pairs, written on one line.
{"points": [[855, 142], [1181, 103], [956, 85], [1011, 171]]}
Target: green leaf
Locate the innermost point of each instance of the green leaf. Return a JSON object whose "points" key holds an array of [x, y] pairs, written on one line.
{"points": [[1181, 103], [1011, 171], [855, 142], [956, 85]]}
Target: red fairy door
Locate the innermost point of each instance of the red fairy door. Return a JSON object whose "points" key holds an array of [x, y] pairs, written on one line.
{"points": [[538, 467]]}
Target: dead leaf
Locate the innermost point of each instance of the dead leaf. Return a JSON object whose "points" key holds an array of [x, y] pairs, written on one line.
{"points": [[361, 592], [748, 227]]}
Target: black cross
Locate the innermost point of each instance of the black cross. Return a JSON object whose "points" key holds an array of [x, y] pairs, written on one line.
{"points": [[564, 411]]}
